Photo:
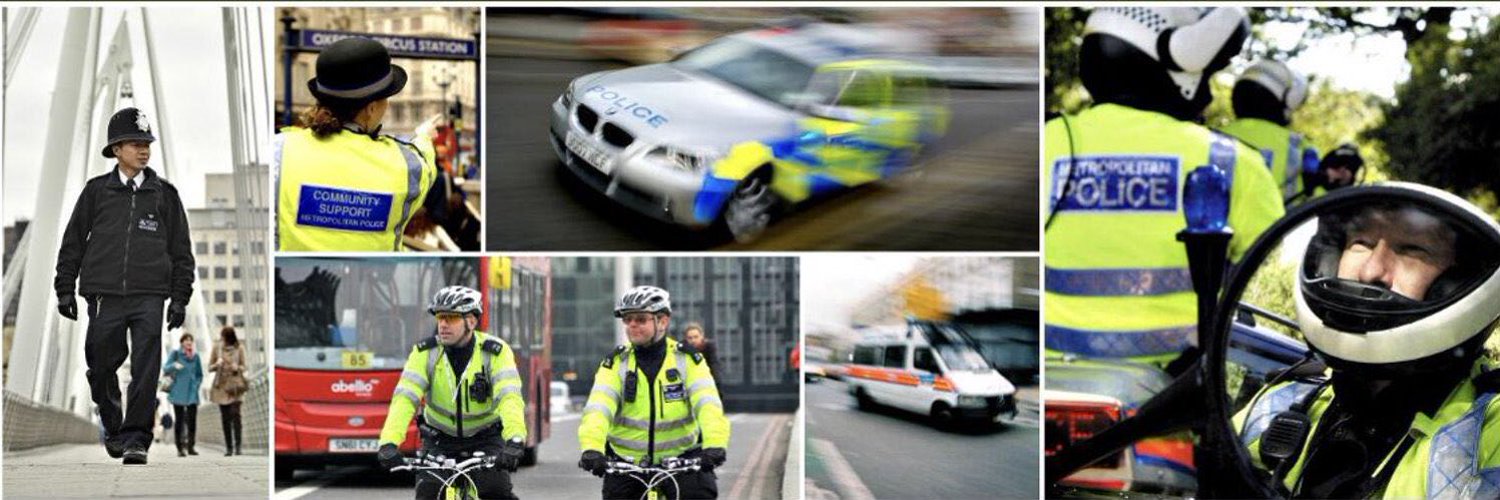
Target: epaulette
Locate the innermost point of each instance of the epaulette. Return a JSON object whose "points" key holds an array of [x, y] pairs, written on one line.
{"points": [[686, 348], [493, 346], [427, 343], [406, 143], [609, 361]]}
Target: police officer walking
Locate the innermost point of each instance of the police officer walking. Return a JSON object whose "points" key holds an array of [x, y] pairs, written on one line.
{"points": [[340, 184], [1397, 300], [653, 399], [466, 383], [1264, 97], [1117, 280], [127, 250]]}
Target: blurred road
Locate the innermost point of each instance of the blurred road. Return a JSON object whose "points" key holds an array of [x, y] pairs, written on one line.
{"points": [[891, 454], [85, 471], [977, 189], [757, 451]]}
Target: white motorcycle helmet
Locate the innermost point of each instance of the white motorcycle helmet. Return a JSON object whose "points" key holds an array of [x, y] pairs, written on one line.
{"points": [[1272, 85], [1159, 58], [1372, 321]]}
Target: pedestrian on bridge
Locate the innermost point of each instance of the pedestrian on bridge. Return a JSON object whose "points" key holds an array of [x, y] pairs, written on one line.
{"points": [[228, 365], [185, 368], [126, 250]]}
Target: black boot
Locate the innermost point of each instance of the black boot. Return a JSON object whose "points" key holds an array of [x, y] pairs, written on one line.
{"points": [[192, 439], [228, 439]]}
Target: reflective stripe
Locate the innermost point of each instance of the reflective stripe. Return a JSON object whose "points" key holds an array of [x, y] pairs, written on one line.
{"points": [[608, 412], [1268, 405], [642, 425], [1293, 165], [679, 442], [701, 385], [609, 392], [415, 378], [440, 410], [1452, 467], [628, 444], [506, 375], [707, 400], [276, 145], [409, 394], [1120, 281], [445, 428], [507, 390], [640, 446], [433, 355], [1119, 344], [682, 363], [624, 373], [413, 188]]}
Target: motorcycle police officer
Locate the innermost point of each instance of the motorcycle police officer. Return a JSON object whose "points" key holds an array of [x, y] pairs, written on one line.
{"points": [[340, 185], [653, 399], [1264, 98], [1117, 280], [1397, 299], [469, 390], [127, 249]]}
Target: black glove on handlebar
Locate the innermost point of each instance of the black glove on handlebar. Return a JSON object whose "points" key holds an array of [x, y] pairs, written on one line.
{"points": [[593, 462], [715, 457], [390, 456], [510, 456]]}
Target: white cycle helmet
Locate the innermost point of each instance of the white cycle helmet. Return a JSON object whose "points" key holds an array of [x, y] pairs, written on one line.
{"points": [[644, 299], [456, 299], [1277, 82], [1365, 322], [1159, 58]]}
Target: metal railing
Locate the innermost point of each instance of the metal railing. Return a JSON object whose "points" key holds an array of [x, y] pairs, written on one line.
{"points": [[29, 424], [254, 416]]}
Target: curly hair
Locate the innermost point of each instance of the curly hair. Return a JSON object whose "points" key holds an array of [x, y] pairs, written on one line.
{"points": [[325, 119]]}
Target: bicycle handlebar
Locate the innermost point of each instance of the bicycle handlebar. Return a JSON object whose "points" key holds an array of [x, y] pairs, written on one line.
{"points": [[671, 465], [439, 462]]}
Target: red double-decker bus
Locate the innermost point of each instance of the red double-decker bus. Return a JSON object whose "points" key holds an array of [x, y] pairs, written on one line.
{"points": [[344, 327]]}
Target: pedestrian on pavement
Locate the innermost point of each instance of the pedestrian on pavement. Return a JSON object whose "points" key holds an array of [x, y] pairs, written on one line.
{"points": [[127, 250], [184, 366], [466, 383], [228, 365], [653, 399], [340, 184], [697, 337]]}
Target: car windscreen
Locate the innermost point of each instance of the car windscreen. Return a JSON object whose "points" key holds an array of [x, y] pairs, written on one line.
{"points": [[761, 71]]}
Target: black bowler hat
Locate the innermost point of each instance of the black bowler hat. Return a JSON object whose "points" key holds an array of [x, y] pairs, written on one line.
{"points": [[126, 125], [355, 71]]}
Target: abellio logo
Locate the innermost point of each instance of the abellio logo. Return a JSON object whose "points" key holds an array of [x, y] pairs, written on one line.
{"points": [[358, 387]]}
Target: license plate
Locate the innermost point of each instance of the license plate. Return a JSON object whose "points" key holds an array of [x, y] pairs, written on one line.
{"points": [[353, 445], [590, 154]]}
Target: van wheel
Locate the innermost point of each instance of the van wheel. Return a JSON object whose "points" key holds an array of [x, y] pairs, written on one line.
{"points": [[943, 416], [863, 400]]}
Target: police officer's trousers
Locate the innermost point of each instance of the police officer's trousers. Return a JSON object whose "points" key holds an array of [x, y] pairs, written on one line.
{"points": [[698, 485], [493, 482], [113, 319]]}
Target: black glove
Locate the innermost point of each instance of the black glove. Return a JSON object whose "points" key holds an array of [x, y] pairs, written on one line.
{"points": [[593, 462], [715, 457], [68, 307], [176, 314], [510, 456], [390, 456]]}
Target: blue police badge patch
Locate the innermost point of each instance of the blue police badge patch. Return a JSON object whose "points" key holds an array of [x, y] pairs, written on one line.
{"points": [[347, 209], [674, 392], [1117, 183]]}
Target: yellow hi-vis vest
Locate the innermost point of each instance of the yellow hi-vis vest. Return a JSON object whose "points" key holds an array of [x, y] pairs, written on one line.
{"points": [[1117, 281], [429, 378], [347, 192], [665, 419], [1280, 147], [1455, 453]]}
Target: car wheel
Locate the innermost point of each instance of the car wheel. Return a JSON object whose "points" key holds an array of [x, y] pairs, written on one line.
{"points": [[749, 209], [864, 401]]}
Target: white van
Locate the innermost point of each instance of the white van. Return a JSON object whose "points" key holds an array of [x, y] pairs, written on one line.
{"points": [[929, 368]]}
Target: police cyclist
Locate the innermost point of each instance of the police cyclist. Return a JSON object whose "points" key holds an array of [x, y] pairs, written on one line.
{"points": [[340, 184], [1397, 299], [466, 383], [653, 399], [1117, 280]]}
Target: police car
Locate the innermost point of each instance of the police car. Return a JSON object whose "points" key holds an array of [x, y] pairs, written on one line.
{"points": [[928, 368], [748, 124]]}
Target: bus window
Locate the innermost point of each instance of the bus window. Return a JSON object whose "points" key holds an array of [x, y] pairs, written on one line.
{"points": [[866, 355], [922, 359], [895, 356]]}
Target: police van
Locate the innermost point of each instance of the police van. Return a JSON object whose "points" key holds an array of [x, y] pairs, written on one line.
{"points": [[934, 369]]}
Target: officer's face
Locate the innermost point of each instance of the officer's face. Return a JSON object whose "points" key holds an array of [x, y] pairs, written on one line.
{"points": [[641, 327], [453, 328], [695, 337], [133, 154], [1403, 250], [1339, 177]]}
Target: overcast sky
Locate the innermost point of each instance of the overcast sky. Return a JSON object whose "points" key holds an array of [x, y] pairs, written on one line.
{"points": [[833, 283], [189, 45]]}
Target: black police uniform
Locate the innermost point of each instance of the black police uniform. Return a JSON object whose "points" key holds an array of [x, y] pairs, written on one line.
{"points": [[127, 249]]}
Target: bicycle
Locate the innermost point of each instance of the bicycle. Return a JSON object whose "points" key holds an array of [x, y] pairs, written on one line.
{"points": [[666, 470], [448, 471]]}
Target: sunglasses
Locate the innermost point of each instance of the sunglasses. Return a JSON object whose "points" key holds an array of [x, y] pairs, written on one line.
{"points": [[637, 318]]}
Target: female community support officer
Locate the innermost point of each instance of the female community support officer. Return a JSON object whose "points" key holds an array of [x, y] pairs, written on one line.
{"points": [[340, 185]]}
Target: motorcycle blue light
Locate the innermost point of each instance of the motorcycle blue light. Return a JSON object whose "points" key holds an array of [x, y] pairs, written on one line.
{"points": [[1310, 161], [1205, 200]]}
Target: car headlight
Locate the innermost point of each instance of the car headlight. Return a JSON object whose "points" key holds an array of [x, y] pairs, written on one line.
{"points": [[683, 159], [567, 97]]}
